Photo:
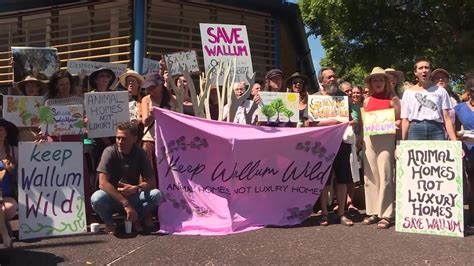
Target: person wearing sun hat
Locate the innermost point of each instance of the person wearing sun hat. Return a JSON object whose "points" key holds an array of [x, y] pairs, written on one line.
{"points": [[31, 86], [133, 82], [274, 80], [425, 108], [378, 153], [8, 162], [396, 80], [101, 79]]}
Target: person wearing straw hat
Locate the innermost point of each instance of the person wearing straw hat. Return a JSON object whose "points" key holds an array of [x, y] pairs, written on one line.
{"points": [[425, 108], [133, 82], [378, 153], [31, 86], [8, 161], [396, 80]]}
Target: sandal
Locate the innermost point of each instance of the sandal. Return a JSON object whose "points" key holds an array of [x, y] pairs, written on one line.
{"points": [[346, 221], [370, 220], [324, 220], [385, 223]]}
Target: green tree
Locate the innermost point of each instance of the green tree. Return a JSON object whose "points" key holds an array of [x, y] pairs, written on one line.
{"points": [[268, 111], [279, 106], [288, 113], [358, 35]]}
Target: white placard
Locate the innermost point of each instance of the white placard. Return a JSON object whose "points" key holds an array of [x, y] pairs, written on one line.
{"points": [[75, 67], [105, 110], [321, 107], [185, 59], [50, 189], [23, 111], [150, 66], [66, 120], [278, 107], [226, 42], [430, 188]]}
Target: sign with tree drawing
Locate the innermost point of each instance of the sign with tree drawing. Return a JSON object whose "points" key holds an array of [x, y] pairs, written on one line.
{"points": [[278, 107]]}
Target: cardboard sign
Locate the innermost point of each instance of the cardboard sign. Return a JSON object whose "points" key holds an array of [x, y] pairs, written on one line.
{"points": [[213, 174], [39, 62], [380, 122], [62, 120], [105, 110], [278, 107], [150, 66], [430, 188], [322, 107], [50, 189], [75, 67], [186, 59], [23, 111], [221, 42]]}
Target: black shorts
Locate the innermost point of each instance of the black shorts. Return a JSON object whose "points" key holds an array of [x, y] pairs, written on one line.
{"points": [[341, 166]]}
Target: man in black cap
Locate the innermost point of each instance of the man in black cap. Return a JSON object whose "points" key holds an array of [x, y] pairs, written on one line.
{"points": [[274, 80]]}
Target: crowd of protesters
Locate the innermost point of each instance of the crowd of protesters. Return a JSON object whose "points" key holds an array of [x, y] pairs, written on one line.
{"points": [[426, 109]]}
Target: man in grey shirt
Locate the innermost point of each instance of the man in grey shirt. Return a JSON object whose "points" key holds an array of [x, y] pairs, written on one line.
{"points": [[121, 188]]}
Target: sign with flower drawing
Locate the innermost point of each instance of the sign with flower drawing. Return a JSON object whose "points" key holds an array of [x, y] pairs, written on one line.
{"points": [[278, 107], [322, 107], [50, 189], [212, 174], [23, 111]]}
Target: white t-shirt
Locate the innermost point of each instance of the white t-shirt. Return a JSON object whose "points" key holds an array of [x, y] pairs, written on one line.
{"points": [[240, 114], [425, 104]]}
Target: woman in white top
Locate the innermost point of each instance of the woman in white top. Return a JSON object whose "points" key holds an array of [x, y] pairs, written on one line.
{"points": [[425, 108], [158, 96]]}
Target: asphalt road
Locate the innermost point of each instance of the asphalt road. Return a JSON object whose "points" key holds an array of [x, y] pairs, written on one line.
{"points": [[305, 244]]}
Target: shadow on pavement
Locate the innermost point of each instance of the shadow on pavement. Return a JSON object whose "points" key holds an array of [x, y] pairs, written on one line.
{"points": [[19, 256]]}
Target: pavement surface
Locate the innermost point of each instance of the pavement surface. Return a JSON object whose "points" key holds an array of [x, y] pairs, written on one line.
{"points": [[307, 243]]}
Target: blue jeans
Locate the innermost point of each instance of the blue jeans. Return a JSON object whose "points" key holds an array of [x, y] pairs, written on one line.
{"points": [[426, 130], [105, 206]]}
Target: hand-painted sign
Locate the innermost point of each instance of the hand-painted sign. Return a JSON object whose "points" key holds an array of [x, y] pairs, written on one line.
{"points": [[51, 189], [430, 188], [105, 110], [221, 43]]}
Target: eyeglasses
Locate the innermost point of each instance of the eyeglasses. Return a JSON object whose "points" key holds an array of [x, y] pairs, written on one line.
{"points": [[298, 81]]}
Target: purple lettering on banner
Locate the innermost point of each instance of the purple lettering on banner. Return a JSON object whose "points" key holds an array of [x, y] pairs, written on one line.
{"points": [[213, 174]]}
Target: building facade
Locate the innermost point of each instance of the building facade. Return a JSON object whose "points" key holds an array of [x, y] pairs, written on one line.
{"points": [[125, 31]]}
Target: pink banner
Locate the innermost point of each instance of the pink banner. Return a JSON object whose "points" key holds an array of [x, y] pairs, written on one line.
{"points": [[219, 178]]}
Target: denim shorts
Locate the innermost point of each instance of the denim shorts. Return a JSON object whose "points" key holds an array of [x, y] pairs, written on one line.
{"points": [[426, 130]]}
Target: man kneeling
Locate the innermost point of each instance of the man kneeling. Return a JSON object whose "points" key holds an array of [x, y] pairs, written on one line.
{"points": [[120, 168]]}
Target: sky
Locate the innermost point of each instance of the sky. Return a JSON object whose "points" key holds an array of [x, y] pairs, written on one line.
{"points": [[317, 51]]}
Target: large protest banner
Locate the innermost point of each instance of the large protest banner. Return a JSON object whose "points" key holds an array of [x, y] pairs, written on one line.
{"points": [[328, 107], [278, 107], [105, 110], [380, 122], [430, 188], [23, 111], [220, 178], [62, 120], [50, 189], [222, 42], [185, 60], [39, 62], [75, 67]]}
